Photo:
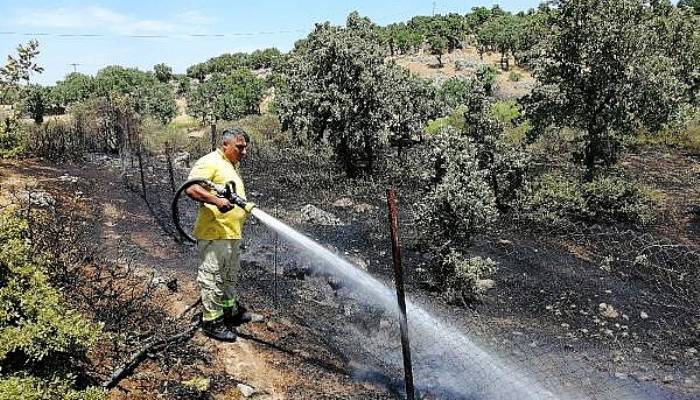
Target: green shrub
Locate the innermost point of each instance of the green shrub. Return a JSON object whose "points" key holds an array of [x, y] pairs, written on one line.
{"points": [[36, 326], [460, 202], [12, 138], [29, 388], [614, 199], [514, 76], [556, 200], [463, 277], [487, 74]]}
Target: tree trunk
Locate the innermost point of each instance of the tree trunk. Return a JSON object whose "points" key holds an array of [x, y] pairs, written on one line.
{"points": [[213, 136]]}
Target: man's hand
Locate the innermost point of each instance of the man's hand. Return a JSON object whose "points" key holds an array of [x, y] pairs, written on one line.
{"points": [[223, 204]]}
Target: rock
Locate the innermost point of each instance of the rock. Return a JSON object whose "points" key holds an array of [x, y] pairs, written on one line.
{"points": [[343, 202], [620, 375], [667, 379], [69, 179], [608, 311], [363, 208], [358, 262], [637, 349], [246, 390], [643, 315], [36, 198], [314, 215], [483, 285], [181, 159]]}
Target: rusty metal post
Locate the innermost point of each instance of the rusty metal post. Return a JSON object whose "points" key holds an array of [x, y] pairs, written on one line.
{"points": [[168, 159], [400, 294]]}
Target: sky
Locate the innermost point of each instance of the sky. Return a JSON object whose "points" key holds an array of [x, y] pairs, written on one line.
{"points": [[184, 32]]}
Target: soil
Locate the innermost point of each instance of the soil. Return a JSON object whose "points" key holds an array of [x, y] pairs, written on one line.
{"points": [[319, 340]]}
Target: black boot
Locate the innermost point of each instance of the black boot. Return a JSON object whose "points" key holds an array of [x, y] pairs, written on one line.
{"points": [[218, 330], [240, 316]]}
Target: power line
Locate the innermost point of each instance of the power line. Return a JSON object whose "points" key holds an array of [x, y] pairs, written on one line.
{"points": [[154, 36]]}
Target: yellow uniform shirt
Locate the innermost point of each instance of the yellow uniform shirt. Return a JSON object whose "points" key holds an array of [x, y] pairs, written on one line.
{"points": [[211, 224]]}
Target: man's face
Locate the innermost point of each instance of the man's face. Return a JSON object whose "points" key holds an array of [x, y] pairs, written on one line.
{"points": [[236, 149]]}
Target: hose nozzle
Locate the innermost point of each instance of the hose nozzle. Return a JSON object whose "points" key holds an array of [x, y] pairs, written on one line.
{"points": [[229, 193]]}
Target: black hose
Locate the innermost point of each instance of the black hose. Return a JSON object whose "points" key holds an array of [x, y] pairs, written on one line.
{"points": [[176, 210]]}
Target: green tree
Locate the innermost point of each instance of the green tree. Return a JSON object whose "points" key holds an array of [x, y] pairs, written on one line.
{"points": [[146, 95], [198, 72], [163, 73], [680, 33], [18, 70], [438, 46], [266, 58], [36, 99], [692, 4], [603, 77], [226, 97], [340, 91], [73, 88]]}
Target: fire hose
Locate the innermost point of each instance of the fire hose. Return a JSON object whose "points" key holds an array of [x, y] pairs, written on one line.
{"points": [[226, 191]]}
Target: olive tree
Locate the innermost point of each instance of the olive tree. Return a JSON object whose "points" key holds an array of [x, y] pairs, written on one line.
{"points": [[225, 97], [603, 76], [17, 70], [145, 93], [163, 72], [73, 88], [339, 90]]}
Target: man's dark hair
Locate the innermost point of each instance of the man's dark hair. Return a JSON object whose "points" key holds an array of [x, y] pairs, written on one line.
{"points": [[232, 134]]}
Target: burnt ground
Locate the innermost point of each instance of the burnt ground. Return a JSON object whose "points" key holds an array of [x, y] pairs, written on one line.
{"points": [[321, 340]]}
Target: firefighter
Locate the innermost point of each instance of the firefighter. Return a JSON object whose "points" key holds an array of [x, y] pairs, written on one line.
{"points": [[218, 230]]}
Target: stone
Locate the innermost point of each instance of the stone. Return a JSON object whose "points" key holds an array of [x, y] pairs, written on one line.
{"points": [[643, 315], [483, 285], [608, 311], [37, 198], [343, 202], [246, 390], [68, 178], [363, 208], [358, 262], [181, 159], [314, 215], [667, 379]]}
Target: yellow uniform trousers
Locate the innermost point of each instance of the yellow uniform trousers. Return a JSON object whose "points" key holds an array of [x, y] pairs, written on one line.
{"points": [[219, 264]]}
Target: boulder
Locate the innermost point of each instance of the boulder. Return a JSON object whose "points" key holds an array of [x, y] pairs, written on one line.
{"points": [[314, 215]]}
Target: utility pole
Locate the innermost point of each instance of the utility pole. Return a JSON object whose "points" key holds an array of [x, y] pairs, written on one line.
{"points": [[434, 9], [75, 66]]}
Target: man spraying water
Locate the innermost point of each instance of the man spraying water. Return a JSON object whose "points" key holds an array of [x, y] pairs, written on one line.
{"points": [[218, 232]]}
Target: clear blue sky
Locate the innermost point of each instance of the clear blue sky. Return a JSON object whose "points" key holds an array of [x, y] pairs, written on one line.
{"points": [[246, 25]]}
